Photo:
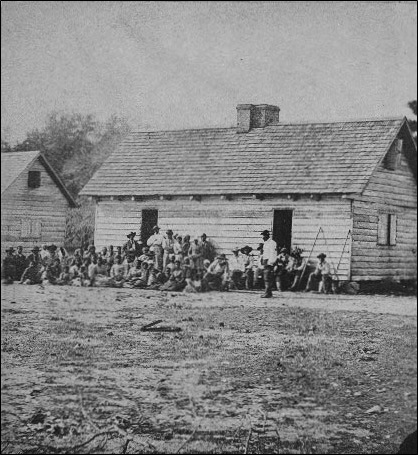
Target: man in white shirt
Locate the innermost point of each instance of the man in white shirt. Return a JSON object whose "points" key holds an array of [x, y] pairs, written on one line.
{"points": [[155, 242], [321, 273], [269, 259], [237, 268]]}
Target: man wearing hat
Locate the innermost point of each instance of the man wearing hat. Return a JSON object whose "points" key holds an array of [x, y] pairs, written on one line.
{"points": [[35, 256], [217, 276], [8, 268], [269, 259], [132, 245], [168, 248], [155, 243], [237, 268], [281, 269], [322, 272]]}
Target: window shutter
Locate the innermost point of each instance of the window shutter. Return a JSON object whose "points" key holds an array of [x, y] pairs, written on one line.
{"points": [[36, 228], [393, 229], [382, 229], [34, 179], [25, 228]]}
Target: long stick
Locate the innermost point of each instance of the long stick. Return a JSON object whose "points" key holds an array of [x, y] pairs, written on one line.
{"points": [[342, 253], [307, 260]]}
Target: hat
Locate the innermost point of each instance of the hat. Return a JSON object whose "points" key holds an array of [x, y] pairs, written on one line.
{"points": [[321, 255], [36, 248], [235, 250], [246, 249], [222, 256], [283, 250], [265, 232], [52, 247], [132, 234], [169, 232], [10, 250], [206, 262], [155, 228]]}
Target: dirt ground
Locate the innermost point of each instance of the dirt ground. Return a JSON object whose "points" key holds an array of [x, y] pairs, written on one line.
{"points": [[299, 373]]}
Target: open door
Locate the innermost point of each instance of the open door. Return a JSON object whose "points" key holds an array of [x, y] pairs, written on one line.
{"points": [[282, 229], [149, 220]]}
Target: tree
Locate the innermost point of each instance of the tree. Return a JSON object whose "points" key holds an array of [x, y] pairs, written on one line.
{"points": [[413, 123], [75, 144]]}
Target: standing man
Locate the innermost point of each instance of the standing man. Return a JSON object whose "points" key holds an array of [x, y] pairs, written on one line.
{"points": [[168, 247], [20, 260], [269, 259], [132, 246], [155, 242]]}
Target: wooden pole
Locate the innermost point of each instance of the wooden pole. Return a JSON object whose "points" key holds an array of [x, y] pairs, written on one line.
{"points": [[310, 254]]}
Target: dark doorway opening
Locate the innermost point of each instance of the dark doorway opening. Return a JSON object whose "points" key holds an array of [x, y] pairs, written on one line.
{"points": [[282, 229], [149, 220]]}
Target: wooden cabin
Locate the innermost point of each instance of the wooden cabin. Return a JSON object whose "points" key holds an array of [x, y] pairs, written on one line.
{"points": [[347, 189], [34, 202]]}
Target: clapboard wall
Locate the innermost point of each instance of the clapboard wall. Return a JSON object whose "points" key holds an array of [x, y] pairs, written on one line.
{"points": [[33, 216], [394, 192], [237, 222]]}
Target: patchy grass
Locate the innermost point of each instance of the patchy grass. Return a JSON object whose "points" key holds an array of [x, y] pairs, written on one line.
{"points": [[294, 374]]}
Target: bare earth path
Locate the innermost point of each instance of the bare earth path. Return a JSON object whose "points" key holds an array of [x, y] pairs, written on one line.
{"points": [[299, 373]]}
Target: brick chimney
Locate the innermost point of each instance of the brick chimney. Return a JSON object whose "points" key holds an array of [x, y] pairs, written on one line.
{"points": [[251, 116]]}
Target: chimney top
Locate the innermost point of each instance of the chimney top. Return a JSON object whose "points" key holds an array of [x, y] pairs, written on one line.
{"points": [[256, 116]]}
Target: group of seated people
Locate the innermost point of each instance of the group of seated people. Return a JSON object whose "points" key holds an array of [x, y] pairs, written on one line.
{"points": [[167, 262]]}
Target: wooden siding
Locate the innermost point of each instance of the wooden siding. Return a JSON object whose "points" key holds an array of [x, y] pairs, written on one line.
{"points": [[234, 223], [21, 205], [387, 192]]}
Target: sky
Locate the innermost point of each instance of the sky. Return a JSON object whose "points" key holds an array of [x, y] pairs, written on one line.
{"points": [[174, 65]]}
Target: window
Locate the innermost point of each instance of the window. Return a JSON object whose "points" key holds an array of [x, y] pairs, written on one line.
{"points": [[31, 228], [386, 233], [34, 179], [393, 157]]}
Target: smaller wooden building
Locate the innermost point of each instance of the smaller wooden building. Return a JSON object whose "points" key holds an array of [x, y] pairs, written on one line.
{"points": [[34, 202]]}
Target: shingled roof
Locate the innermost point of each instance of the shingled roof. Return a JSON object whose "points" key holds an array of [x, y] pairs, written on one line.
{"points": [[14, 163], [284, 158]]}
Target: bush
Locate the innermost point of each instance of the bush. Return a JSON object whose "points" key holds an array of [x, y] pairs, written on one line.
{"points": [[80, 225]]}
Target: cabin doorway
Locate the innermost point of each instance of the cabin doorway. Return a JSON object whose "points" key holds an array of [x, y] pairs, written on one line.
{"points": [[282, 229], [149, 220]]}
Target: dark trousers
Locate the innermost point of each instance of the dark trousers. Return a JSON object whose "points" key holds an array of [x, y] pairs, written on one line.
{"points": [[268, 279], [316, 278]]}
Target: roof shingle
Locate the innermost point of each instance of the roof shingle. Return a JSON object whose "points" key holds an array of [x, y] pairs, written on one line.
{"points": [[284, 158]]}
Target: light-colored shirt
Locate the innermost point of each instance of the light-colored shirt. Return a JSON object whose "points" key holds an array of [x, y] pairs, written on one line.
{"points": [[168, 245], [270, 251], [155, 240], [237, 263], [324, 268]]}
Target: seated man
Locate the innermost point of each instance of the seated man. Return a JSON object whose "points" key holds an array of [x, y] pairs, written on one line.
{"points": [[295, 268], [322, 273], [65, 277], [8, 269], [280, 269], [176, 282], [237, 268], [31, 275], [140, 280], [117, 272], [217, 277]]}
